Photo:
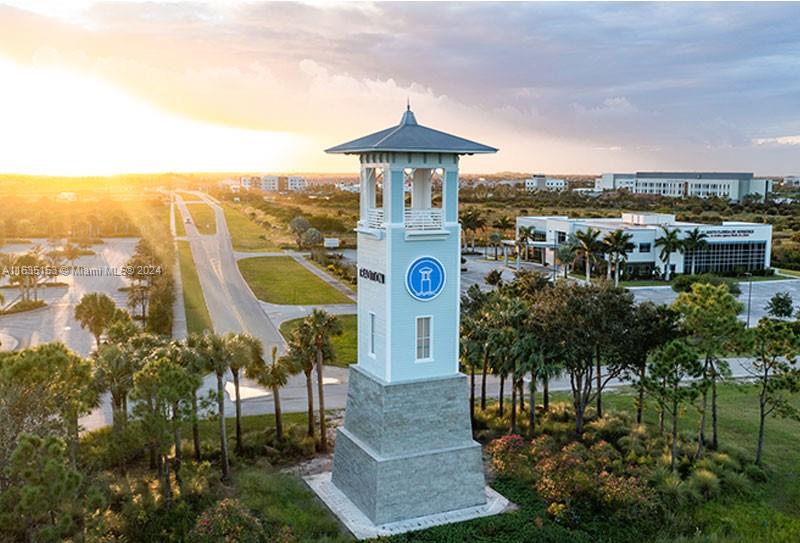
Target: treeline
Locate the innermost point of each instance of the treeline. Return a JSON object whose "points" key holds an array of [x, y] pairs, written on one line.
{"points": [[56, 486], [595, 334], [25, 218]]}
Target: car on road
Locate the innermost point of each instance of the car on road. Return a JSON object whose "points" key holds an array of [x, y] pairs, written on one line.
{"points": [[188, 221]]}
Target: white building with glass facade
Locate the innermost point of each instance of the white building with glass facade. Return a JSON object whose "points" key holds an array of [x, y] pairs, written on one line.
{"points": [[731, 246], [731, 186]]}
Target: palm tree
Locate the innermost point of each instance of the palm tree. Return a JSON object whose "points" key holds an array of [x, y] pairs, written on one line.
{"points": [[566, 254], [669, 242], [467, 218], [495, 239], [694, 242], [273, 376], [95, 311], [321, 326], [247, 351], [113, 372], [588, 247], [217, 355], [301, 356], [504, 224], [618, 245], [524, 236], [195, 356]]}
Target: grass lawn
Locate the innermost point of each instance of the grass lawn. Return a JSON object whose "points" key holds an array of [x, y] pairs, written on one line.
{"points": [[793, 273], [346, 345], [281, 280], [203, 218], [245, 234], [180, 229], [197, 317]]}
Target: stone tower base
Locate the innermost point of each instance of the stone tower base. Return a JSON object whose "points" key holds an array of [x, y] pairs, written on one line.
{"points": [[406, 449]]}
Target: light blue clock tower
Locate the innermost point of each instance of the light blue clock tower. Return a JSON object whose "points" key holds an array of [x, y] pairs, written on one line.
{"points": [[406, 448]]}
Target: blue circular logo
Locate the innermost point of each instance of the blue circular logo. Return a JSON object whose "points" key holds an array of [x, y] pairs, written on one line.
{"points": [[425, 278]]}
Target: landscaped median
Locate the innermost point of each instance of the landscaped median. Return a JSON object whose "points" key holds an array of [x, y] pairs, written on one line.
{"points": [[246, 235], [203, 218], [282, 280], [197, 317], [345, 346]]}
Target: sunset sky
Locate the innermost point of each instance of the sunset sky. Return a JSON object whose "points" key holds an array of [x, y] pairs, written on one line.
{"points": [[109, 87]]}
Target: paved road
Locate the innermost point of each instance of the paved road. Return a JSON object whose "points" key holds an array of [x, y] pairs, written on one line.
{"points": [[231, 303]]}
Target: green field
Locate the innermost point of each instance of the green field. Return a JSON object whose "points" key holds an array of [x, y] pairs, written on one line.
{"points": [[245, 234], [197, 317], [203, 218], [282, 280], [346, 345], [180, 229]]}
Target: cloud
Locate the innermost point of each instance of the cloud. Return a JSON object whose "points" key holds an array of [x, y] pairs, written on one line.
{"points": [[782, 140], [563, 86]]}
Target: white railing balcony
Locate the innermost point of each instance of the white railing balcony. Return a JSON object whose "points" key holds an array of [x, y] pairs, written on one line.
{"points": [[423, 219], [374, 218]]}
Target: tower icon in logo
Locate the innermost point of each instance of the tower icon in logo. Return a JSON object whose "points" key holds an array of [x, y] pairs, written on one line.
{"points": [[425, 278]]}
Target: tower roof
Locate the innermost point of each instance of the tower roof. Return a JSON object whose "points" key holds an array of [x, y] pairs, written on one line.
{"points": [[409, 136]]}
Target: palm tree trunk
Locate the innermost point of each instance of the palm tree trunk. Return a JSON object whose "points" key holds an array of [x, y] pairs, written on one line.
{"points": [[532, 404], [546, 393], [483, 378], [599, 381], [178, 455], [223, 436], [701, 434], [616, 271], [278, 415], [239, 446], [310, 404], [714, 433], [674, 432], [195, 427], [323, 438], [513, 404], [502, 386], [588, 270], [166, 487], [640, 401], [472, 394]]}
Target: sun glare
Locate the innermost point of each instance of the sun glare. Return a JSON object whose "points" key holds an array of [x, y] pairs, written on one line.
{"points": [[58, 122]]}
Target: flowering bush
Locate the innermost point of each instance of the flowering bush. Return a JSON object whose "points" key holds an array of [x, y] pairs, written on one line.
{"points": [[227, 522], [509, 455]]}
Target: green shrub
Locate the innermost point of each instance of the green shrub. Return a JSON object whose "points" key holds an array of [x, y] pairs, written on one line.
{"points": [[755, 473], [705, 482]]}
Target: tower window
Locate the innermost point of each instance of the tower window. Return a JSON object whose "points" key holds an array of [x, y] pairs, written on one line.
{"points": [[372, 334], [424, 326]]}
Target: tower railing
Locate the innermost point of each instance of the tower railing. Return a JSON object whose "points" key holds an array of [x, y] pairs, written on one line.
{"points": [[375, 217], [413, 219], [423, 219]]}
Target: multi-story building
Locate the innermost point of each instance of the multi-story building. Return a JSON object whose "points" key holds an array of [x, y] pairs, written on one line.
{"points": [[731, 246], [541, 182], [246, 182], [731, 186], [791, 181], [295, 183], [349, 187], [269, 183]]}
